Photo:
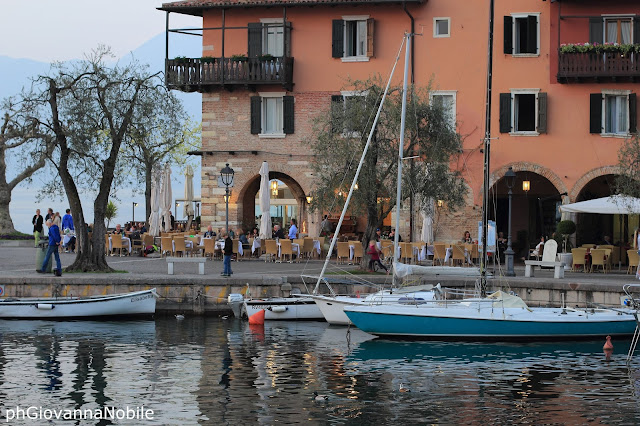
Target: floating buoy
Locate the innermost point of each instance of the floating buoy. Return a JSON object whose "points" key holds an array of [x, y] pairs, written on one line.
{"points": [[257, 318], [608, 346], [404, 389]]}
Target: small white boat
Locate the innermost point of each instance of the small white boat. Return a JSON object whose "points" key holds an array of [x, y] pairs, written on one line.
{"points": [[332, 307], [283, 308], [139, 303]]}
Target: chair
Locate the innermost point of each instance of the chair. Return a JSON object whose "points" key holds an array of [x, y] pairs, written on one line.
{"points": [[195, 245], [180, 246], [166, 246], [386, 248], [579, 258], [147, 240], [307, 247], [473, 253], [343, 251], [117, 244], [607, 258], [209, 247], [634, 258], [417, 250], [439, 253], [459, 255], [358, 252], [406, 252], [588, 246], [598, 259], [271, 250], [286, 249]]}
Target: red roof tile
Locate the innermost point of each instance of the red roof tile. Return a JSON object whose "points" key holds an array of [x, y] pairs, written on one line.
{"points": [[195, 7]]}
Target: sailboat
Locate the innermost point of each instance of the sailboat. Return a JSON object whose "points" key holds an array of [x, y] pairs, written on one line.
{"points": [[497, 316]]}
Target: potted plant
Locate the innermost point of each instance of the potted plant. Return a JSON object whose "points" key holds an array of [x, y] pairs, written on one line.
{"points": [[180, 59], [239, 58], [206, 59], [565, 229], [266, 57]]}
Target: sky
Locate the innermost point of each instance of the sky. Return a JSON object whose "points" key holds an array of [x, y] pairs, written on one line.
{"points": [[59, 30]]}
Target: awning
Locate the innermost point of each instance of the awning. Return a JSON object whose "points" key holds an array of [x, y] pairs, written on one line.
{"points": [[615, 204]]}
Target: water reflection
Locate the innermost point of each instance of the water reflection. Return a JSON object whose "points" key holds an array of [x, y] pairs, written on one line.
{"points": [[212, 371]]}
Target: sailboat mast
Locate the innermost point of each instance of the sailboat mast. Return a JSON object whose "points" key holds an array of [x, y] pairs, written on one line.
{"points": [[487, 160], [396, 235]]}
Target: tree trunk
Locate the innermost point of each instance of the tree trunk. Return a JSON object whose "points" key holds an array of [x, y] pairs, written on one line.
{"points": [[148, 169], [6, 224]]}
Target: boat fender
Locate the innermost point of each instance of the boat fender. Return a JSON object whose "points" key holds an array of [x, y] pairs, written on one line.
{"points": [[279, 309], [257, 318], [45, 306], [358, 294]]}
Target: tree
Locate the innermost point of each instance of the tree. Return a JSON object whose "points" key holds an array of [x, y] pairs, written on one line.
{"points": [[110, 212], [628, 179], [338, 142], [88, 109], [26, 153]]}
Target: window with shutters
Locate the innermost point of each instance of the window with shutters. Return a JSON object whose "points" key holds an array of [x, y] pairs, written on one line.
{"points": [[441, 27], [353, 38], [613, 113], [272, 115], [347, 112], [523, 112], [272, 37], [522, 34], [446, 99]]}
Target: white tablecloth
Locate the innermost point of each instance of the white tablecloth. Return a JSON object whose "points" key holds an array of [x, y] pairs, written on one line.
{"points": [[255, 246], [450, 253], [66, 239], [125, 241], [220, 246], [316, 246], [188, 244], [294, 247], [426, 251]]}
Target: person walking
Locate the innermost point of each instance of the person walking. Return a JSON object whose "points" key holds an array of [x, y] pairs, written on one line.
{"points": [[54, 243], [228, 252], [37, 227]]}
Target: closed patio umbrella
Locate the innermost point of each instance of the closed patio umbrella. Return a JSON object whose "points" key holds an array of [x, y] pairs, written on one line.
{"points": [[265, 202], [427, 222], [166, 197], [154, 218]]}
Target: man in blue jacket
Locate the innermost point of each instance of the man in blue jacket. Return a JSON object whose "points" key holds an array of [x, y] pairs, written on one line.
{"points": [[67, 220], [54, 242]]}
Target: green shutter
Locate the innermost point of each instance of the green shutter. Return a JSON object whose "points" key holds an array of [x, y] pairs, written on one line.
{"points": [[542, 113], [256, 115], [287, 40], [255, 39], [636, 29], [595, 113], [505, 112], [288, 113], [633, 113], [337, 42], [532, 34], [508, 35]]}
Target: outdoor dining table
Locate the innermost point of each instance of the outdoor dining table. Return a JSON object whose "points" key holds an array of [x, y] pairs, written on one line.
{"points": [[220, 246], [295, 247], [126, 241], [316, 246], [187, 244], [256, 245], [449, 253]]}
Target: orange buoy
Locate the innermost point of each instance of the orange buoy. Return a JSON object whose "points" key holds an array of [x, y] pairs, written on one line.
{"points": [[257, 318], [608, 346]]}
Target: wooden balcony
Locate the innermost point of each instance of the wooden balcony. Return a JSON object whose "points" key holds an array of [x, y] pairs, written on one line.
{"points": [[580, 67], [196, 75]]}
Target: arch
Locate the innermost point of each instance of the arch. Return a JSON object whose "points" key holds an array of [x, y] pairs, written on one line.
{"points": [[589, 176], [523, 166]]}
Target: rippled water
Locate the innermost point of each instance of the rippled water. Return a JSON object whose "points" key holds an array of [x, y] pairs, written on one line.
{"points": [[212, 371]]}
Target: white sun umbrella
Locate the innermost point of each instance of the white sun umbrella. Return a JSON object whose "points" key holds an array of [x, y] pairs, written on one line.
{"points": [[166, 197], [154, 218], [188, 192], [427, 222], [265, 202]]}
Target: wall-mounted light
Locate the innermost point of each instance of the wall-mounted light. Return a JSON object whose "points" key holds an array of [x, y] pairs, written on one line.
{"points": [[440, 203], [274, 188], [309, 199], [526, 185]]}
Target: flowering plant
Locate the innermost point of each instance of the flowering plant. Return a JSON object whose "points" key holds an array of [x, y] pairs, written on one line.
{"points": [[623, 49]]}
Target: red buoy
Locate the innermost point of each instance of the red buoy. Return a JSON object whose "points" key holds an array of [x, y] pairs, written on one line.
{"points": [[257, 318], [608, 346]]}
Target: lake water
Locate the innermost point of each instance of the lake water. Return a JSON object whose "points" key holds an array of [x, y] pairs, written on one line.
{"points": [[214, 371]]}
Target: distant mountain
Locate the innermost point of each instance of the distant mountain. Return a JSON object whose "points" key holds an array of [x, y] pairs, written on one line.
{"points": [[17, 73]]}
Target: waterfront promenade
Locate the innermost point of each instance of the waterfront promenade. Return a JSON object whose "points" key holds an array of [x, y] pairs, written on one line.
{"points": [[186, 290]]}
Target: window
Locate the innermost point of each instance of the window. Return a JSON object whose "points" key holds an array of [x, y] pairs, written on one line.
{"points": [[441, 27], [347, 113], [613, 112], [446, 100], [272, 114], [522, 34], [523, 112], [273, 40], [614, 29], [352, 38], [269, 36]]}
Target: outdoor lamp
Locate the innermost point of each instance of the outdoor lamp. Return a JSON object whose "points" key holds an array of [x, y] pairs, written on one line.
{"points": [[274, 188], [226, 176], [526, 185], [510, 179], [440, 203], [309, 199], [133, 216]]}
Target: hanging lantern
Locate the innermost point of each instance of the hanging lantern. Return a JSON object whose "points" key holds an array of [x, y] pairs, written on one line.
{"points": [[274, 188], [526, 185]]}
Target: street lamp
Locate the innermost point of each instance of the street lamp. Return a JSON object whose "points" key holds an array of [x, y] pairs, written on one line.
{"points": [[226, 176], [133, 216], [510, 178]]}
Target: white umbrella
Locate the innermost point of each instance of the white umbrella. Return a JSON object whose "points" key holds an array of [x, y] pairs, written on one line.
{"points": [[166, 197], [154, 218], [615, 204], [427, 223], [188, 192], [265, 202]]}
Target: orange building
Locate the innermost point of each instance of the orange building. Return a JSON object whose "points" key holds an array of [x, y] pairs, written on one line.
{"points": [[558, 118]]}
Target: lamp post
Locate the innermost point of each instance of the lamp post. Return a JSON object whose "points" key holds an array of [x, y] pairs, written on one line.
{"points": [[133, 216], [226, 176], [510, 178]]}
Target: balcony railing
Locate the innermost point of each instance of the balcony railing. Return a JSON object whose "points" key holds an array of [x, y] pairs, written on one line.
{"points": [[209, 74], [597, 66]]}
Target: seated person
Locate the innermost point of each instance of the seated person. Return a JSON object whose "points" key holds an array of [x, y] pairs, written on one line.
{"points": [[142, 228], [538, 250], [606, 241], [466, 239], [242, 237], [118, 230], [210, 232], [277, 232], [392, 236]]}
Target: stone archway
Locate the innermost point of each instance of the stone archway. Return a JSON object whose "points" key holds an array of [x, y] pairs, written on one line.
{"points": [[588, 177], [523, 166]]}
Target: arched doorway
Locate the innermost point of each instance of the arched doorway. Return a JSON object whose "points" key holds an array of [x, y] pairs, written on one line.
{"points": [[288, 201], [534, 212], [592, 228]]}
